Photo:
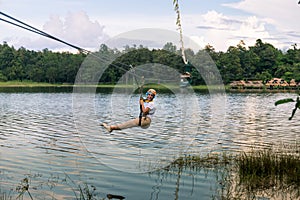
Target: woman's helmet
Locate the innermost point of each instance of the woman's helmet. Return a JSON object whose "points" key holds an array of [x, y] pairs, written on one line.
{"points": [[151, 91]]}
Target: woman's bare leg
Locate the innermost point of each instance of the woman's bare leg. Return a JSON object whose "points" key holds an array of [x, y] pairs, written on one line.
{"points": [[125, 125], [129, 124]]}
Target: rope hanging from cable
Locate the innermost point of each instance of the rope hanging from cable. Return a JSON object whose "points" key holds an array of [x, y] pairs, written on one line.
{"points": [[178, 23]]}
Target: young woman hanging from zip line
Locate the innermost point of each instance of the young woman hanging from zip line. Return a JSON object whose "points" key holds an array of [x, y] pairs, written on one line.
{"points": [[147, 111]]}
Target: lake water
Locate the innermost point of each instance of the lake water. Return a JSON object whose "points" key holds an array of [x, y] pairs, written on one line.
{"points": [[59, 147]]}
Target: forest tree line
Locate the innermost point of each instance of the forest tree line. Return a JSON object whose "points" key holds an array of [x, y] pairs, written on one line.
{"points": [[261, 62]]}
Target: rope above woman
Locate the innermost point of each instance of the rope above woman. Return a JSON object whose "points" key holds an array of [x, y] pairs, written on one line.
{"points": [[178, 23]]}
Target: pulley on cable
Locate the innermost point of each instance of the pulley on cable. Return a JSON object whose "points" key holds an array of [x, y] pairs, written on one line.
{"points": [[185, 77]]}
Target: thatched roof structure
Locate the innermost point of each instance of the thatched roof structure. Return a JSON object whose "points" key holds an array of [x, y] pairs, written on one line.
{"points": [[247, 84], [293, 83], [277, 82]]}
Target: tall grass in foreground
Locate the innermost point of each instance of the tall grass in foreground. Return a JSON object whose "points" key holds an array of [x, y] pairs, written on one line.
{"points": [[258, 174], [270, 171]]}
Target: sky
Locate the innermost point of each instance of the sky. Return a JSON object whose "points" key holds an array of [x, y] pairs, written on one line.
{"points": [[89, 23]]}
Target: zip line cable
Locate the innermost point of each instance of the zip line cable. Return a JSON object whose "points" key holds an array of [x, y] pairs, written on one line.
{"points": [[18, 25], [37, 31]]}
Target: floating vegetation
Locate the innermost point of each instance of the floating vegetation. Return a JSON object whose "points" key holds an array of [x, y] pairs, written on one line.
{"points": [[207, 161]]}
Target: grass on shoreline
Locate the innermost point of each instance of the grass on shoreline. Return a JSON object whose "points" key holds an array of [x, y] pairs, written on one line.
{"points": [[29, 84], [101, 85], [197, 88]]}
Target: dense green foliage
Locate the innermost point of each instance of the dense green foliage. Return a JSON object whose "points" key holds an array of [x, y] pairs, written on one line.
{"points": [[261, 61], [42, 66]]}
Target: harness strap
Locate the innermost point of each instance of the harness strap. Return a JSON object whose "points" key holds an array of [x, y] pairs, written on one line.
{"points": [[141, 97], [141, 112]]}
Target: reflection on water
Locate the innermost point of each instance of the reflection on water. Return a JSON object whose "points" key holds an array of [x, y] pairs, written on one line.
{"points": [[39, 140]]}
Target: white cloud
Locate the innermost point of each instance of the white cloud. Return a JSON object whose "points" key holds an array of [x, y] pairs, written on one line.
{"points": [[219, 20], [281, 16], [222, 31], [54, 26], [273, 21], [262, 22], [252, 28], [76, 28], [283, 13]]}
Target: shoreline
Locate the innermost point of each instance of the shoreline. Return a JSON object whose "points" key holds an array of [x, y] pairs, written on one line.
{"points": [[204, 88]]}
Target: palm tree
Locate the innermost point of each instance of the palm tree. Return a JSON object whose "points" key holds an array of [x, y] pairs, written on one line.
{"points": [[297, 105]]}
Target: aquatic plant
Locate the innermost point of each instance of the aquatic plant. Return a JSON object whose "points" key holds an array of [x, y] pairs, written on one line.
{"points": [[23, 188], [5, 196], [268, 170], [86, 192]]}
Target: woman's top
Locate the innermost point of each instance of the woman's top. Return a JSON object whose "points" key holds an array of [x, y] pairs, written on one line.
{"points": [[149, 105]]}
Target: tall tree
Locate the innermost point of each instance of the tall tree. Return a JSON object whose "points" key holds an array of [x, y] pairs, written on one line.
{"points": [[267, 56], [169, 46], [6, 56]]}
